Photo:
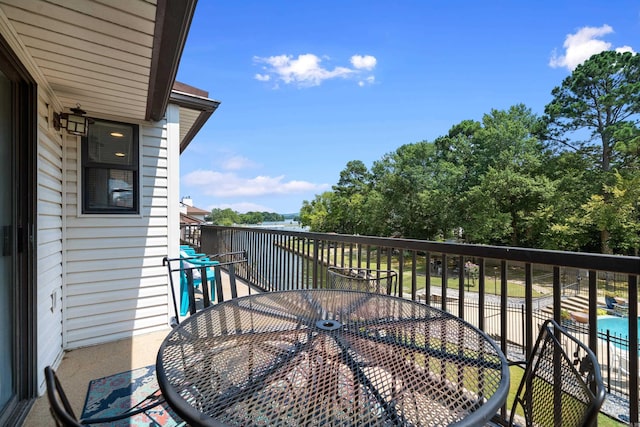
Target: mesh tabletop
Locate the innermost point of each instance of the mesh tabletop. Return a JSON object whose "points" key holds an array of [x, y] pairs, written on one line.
{"points": [[330, 358]]}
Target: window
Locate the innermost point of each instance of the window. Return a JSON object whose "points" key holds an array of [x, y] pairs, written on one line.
{"points": [[110, 168]]}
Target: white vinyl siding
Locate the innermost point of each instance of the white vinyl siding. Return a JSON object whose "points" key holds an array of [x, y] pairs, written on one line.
{"points": [[49, 242], [116, 285]]}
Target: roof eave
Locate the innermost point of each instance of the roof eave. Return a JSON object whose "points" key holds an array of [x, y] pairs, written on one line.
{"points": [[173, 19], [206, 107]]}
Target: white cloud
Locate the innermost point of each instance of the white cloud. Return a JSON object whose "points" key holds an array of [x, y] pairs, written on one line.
{"points": [[582, 45], [220, 184], [368, 81], [624, 49], [238, 163], [306, 70], [366, 62]]}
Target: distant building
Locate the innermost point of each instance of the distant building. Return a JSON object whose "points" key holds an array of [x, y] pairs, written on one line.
{"points": [[191, 218], [187, 209]]}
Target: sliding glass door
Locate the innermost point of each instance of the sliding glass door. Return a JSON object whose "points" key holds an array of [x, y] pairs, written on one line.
{"points": [[18, 135], [6, 254]]}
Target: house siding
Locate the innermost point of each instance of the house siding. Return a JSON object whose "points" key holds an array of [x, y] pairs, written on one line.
{"points": [[49, 241], [115, 283]]}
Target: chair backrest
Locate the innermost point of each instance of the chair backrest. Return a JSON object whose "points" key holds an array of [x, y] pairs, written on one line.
{"points": [[562, 384], [187, 266], [362, 279], [231, 262], [58, 403], [203, 264]]}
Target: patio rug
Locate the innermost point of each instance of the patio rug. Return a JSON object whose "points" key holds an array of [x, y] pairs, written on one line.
{"points": [[114, 394]]}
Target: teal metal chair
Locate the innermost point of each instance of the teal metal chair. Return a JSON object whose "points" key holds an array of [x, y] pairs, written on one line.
{"points": [[192, 269], [193, 262]]}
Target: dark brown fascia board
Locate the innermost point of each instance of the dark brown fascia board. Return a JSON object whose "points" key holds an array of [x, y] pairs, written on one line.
{"points": [[173, 19], [206, 107]]}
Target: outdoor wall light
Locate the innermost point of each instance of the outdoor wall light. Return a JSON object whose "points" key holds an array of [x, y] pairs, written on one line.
{"points": [[75, 123]]}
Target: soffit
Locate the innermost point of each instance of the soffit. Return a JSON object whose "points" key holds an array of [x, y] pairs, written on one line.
{"points": [[195, 109], [100, 53]]}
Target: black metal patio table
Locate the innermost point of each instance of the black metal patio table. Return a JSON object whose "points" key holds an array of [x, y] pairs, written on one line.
{"points": [[330, 357]]}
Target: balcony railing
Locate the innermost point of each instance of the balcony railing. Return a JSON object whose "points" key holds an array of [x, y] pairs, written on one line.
{"points": [[507, 292]]}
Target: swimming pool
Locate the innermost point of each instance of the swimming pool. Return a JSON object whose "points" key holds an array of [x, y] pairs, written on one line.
{"points": [[618, 326]]}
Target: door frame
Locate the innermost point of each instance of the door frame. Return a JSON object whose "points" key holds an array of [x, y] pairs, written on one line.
{"points": [[24, 99]]}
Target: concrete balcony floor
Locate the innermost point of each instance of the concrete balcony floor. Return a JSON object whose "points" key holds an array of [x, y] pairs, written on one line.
{"points": [[80, 366]]}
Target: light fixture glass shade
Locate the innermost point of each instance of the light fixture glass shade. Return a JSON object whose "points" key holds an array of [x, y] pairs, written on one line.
{"points": [[75, 123]]}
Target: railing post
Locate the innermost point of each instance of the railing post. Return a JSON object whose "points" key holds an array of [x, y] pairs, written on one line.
{"points": [[210, 239], [632, 298], [481, 293], [461, 274], [593, 314], [445, 284], [503, 319], [608, 340], [316, 251], [526, 350], [557, 290], [528, 300]]}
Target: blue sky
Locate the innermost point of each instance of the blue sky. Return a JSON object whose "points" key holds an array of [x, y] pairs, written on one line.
{"points": [[307, 86]]}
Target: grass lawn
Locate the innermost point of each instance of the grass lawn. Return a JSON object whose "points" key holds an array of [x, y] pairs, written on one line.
{"points": [[514, 289], [516, 375]]}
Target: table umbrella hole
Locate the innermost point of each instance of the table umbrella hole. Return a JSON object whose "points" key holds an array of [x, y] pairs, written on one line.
{"points": [[328, 325]]}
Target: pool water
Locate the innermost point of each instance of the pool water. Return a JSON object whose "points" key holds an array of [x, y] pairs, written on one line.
{"points": [[617, 326]]}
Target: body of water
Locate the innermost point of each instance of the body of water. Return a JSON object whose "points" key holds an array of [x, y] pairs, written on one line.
{"points": [[281, 225]]}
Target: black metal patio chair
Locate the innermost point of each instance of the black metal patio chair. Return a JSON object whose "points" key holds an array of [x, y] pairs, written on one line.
{"points": [[64, 416], [362, 279], [561, 385]]}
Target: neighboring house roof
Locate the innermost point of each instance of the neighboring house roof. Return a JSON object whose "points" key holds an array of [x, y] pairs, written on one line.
{"points": [[191, 210], [118, 60], [189, 220]]}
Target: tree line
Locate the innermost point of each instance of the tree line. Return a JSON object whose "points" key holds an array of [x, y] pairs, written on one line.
{"points": [[568, 179], [229, 217]]}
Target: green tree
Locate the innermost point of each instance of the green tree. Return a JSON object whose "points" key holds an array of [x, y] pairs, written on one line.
{"points": [[617, 211], [598, 106], [575, 180], [349, 204], [315, 214], [412, 198], [226, 217], [251, 218], [508, 188]]}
